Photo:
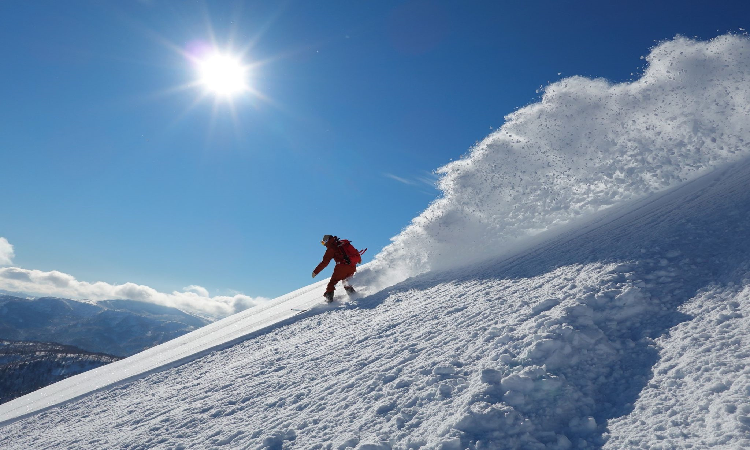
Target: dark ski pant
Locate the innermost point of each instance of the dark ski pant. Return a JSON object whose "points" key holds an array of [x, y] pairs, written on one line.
{"points": [[340, 272]]}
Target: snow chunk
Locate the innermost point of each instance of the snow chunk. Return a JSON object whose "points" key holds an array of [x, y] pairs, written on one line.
{"points": [[545, 305], [444, 370]]}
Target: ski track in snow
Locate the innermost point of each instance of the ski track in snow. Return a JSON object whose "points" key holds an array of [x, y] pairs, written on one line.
{"points": [[630, 331]]}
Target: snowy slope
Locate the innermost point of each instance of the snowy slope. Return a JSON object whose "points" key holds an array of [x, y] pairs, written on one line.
{"points": [[611, 310], [628, 331], [176, 351]]}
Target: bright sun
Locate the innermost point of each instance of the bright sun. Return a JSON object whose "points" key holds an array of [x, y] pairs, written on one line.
{"points": [[223, 75]]}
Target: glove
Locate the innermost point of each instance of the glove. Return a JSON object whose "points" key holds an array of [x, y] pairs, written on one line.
{"points": [[314, 274]]}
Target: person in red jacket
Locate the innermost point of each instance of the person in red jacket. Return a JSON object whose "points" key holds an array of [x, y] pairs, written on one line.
{"points": [[344, 269]]}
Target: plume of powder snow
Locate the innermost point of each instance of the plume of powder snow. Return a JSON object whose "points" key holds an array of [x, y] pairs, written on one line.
{"points": [[587, 145]]}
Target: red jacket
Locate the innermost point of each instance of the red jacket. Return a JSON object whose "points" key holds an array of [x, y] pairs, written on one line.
{"points": [[333, 252]]}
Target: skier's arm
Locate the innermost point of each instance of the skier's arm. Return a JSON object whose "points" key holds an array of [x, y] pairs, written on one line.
{"points": [[323, 264]]}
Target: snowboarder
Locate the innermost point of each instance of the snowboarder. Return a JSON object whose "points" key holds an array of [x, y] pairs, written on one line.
{"points": [[346, 256]]}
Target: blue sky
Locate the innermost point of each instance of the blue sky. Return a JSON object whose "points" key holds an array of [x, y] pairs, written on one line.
{"points": [[114, 173]]}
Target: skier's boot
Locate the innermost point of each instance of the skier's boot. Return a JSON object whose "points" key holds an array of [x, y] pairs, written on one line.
{"points": [[328, 296], [349, 290]]}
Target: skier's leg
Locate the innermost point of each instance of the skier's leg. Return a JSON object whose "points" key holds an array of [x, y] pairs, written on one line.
{"points": [[340, 272], [347, 282], [332, 283], [348, 285], [330, 288]]}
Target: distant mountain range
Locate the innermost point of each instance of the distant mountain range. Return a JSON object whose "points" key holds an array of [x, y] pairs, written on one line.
{"points": [[115, 327], [28, 366]]}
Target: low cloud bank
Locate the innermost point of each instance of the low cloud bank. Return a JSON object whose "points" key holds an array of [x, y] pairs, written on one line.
{"points": [[586, 146], [193, 299]]}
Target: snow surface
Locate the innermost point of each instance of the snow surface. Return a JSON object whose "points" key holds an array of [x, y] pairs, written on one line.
{"points": [[626, 328], [630, 331], [184, 348]]}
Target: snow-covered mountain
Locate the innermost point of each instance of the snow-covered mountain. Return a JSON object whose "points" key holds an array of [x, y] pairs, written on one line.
{"points": [[609, 308], [115, 327], [68, 337], [28, 366]]}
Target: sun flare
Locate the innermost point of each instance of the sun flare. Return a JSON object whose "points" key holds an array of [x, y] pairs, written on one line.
{"points": [[223, 75]]}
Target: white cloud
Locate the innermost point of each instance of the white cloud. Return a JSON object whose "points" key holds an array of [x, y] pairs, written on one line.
{"points": [[13, 273], [195, 299], [6, 252], [200, 290]]}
